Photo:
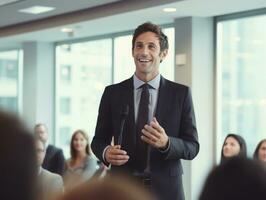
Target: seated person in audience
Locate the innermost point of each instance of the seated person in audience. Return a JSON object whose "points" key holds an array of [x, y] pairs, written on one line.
{"points": [[81, 166], [115, 188], [237, 179], [260, 152], [234, 145], [50, 184], [54, 160], [18, 160]]}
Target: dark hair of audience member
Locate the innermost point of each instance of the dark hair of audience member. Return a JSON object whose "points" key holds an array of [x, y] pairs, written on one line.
{"points": [[73, 152], [18, 160], [242, 144], [256, 152], [109, 188], [238, 178]]}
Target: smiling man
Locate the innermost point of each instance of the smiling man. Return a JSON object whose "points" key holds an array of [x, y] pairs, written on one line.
{"points": [[159, 127]]}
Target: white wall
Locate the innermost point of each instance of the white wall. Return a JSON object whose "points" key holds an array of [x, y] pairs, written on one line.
{"points": [[38, 84], [194, 39]]}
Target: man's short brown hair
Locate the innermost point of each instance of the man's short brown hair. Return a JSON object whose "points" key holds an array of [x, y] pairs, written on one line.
{"points": [[150, 27]]}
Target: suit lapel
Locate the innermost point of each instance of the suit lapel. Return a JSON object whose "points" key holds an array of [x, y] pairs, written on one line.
{"points": [[128, 99], [47, 156], [163, 100]]}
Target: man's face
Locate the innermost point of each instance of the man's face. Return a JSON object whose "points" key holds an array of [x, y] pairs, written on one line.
{"points": [[147, 54], [41, 133], [40, 152]]}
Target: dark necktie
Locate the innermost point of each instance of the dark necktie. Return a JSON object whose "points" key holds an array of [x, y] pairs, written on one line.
{"points": [[142, 119]]}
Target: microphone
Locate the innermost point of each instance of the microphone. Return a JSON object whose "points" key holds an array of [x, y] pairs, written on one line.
{"points": [[123, 117]]}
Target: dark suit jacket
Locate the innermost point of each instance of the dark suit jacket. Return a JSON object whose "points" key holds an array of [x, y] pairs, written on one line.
{"points": [[54, 160], [175, 114]]}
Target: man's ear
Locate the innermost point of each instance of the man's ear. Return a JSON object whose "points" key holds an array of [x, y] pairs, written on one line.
{"points": [[163, 54]]}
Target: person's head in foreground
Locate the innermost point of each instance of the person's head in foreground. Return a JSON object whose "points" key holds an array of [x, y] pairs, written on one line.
{"points": [[109, 188], [237, 179], [18, 160]]}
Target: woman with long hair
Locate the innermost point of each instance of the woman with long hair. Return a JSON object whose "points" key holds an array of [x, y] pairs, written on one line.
{"points": [[260, 152], [81, 165], [234, 145]]}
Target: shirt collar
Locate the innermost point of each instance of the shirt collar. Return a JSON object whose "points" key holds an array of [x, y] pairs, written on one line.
{"points": [[154, 83]]}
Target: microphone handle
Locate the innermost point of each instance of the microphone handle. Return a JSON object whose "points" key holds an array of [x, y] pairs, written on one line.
{"points": [[120, 136]]}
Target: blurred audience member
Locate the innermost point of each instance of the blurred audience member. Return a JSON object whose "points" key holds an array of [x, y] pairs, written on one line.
{"points": [[50, 184], [236, 179], [115, 188], [260, 152], [81, 166], [54, 160], [234, 145], [18, 161]]}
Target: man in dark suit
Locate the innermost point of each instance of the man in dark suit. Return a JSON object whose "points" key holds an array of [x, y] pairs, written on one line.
{"points": [[54, 160], [153, 153]]}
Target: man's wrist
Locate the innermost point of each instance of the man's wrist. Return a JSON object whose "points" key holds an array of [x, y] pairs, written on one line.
{"points": [[103, 155], [166, 147]]}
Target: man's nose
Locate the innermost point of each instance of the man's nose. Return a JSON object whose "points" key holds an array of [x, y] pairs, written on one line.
{"points": [[144, 50]]}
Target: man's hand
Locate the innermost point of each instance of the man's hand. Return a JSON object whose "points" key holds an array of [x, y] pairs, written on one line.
{"points": [[155, 135], [115, 156]]}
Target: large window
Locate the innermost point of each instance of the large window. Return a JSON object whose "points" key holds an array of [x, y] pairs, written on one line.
{"points": [[167, 68], [83, 70], [241, 72], [10, 78], [123, 60]]}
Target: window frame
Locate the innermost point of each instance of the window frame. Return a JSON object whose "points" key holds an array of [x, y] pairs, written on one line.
{"points": [[19, 84], [217, 86]]}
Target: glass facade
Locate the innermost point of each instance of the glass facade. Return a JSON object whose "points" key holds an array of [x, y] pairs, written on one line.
{"points": [[10, 62], [82, 72], [241, 70]]}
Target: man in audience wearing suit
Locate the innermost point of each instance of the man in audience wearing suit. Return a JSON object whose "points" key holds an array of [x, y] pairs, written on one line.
{"points": [[50, 184], [159, 128], [54, 160]]}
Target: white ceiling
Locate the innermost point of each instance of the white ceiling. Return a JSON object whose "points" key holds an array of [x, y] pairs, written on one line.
{"points": [[116, 19], [9, 13]]}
